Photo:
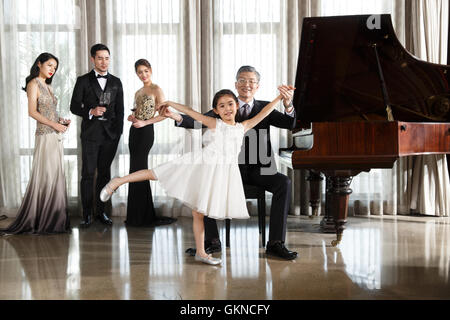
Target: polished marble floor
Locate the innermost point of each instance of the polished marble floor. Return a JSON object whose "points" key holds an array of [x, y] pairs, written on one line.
{"points": [[379, 258]]}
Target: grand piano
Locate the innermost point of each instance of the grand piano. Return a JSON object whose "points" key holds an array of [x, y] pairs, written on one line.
{"points": [[366, 102]]}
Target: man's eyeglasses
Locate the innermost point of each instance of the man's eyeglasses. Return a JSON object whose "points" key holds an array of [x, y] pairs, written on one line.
{"points": [[245, 81]]}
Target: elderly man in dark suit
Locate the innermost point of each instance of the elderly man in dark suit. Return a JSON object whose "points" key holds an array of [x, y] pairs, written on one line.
{"points": [[98, 99], [256, 160]]}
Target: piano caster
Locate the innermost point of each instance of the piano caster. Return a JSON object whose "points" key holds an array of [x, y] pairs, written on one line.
{"points": [[315, 181], [336, 242], [315, 212]]}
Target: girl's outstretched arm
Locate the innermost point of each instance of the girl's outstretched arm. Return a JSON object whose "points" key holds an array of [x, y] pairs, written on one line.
{"points": [[250, 123], [210, 122]]}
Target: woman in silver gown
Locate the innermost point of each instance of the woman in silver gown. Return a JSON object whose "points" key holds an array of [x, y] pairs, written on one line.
{"points": [[44, 206]]}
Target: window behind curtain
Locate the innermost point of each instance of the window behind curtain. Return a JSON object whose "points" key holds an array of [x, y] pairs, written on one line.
{"points": [[248, 33], [351, 7]]}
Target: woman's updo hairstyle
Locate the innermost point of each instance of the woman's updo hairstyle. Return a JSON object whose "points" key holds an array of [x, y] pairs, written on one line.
{"points": [[142, 62]]}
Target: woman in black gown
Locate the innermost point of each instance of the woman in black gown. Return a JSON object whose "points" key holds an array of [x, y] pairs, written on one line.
{"points": [[140, 209]]}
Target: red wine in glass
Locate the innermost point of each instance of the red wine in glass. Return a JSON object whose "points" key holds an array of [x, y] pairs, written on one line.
{"points": [[134, 107], [104, 101], [64, 121]]}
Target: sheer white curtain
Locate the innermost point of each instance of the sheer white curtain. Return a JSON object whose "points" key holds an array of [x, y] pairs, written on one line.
{"points": [[28, 28], [428, 175]]}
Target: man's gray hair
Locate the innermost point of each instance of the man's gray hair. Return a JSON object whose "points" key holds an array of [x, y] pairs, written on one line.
{"points": [[248, 69]]}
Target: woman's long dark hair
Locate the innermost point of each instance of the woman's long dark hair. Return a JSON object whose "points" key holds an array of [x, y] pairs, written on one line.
{"points": [[34, 71]]}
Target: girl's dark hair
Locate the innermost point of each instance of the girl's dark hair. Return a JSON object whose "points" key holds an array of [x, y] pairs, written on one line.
{"points": [[142, 62], [221, 93], [34, 71]]}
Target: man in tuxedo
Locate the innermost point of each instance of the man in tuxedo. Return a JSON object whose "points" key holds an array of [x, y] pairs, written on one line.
{"points": [[101, 128], [256, 160]]}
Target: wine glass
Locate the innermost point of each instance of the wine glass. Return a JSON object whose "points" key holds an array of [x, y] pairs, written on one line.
{"points": [[104, 101], [64, 118]]}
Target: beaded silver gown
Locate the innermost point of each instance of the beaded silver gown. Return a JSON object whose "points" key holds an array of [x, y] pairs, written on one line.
{"points": [[44, 206]]}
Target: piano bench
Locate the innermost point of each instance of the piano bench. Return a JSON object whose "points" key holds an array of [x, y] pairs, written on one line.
{"points": [[253, 192]]}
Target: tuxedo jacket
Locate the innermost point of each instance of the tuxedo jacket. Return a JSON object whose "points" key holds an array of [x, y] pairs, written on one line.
{"points": [[259, 137], [86, 95]]}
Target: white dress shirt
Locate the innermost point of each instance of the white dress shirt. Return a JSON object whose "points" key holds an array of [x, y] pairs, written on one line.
{"points": [[101, 81]]}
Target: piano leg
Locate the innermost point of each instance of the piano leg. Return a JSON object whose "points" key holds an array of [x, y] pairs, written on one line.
{"points": [[327, 224], [339, 194], [448, 155], [314, 178]]}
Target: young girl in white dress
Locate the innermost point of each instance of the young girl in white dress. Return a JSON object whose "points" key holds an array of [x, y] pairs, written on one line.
{"points": [[209, 180]]}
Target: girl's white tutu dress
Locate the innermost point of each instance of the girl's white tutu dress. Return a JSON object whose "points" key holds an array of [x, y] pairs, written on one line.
{"points": [[209, 180]]}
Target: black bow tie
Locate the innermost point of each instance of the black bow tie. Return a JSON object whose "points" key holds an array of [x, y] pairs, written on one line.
{"points": [[100, 76]]}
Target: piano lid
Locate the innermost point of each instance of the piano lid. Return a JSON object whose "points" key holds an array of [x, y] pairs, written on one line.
{"points": [[338, 78]]}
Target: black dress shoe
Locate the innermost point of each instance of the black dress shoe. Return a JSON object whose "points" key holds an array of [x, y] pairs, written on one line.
{"points": [[86, 222], [279, 250], [211, 246], [161, 221], [103, 218], [3, 217], [191, 251]]}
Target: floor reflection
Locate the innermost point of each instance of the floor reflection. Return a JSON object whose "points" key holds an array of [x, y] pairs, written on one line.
{"points": [[73, 281], [409, 257], [388, 258], [32, 267], [244, 247], [361, 254], [167, 252]]}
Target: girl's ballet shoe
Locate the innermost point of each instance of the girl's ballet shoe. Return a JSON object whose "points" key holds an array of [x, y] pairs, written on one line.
{"points": [[208, 260], [106, 192]]}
